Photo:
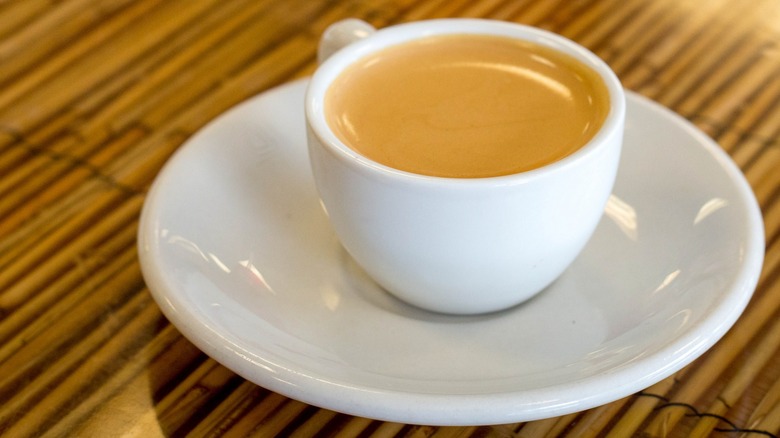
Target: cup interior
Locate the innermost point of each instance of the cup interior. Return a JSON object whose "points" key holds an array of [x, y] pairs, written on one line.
{"points": [[398, 34]]}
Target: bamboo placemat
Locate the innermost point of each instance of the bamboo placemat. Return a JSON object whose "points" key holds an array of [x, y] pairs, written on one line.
{"points": [[95, 96]]}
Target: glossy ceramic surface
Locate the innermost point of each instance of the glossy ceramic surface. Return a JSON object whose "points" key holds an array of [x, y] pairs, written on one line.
{"points": [[463, 245], [238, 254]]}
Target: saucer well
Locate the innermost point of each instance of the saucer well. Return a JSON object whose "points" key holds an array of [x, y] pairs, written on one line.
{"points": [[239, 255]]}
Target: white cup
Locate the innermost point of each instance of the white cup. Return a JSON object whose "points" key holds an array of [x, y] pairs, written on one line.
{"points": [[459, 245]]}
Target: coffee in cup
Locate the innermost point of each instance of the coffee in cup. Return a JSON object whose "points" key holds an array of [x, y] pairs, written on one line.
{"points": [[457, 191], [466, 106]]}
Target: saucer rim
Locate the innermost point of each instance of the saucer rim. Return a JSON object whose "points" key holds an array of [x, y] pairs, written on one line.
{"points": [[468, 409]]}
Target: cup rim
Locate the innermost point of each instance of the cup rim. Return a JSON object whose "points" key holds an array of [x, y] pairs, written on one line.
{"points": [[401, 33]]}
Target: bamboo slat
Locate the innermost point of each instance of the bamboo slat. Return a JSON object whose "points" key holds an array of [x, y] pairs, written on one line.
{"points": [[752, 124], [40, 399], [68, 19], [68, 55], [136, 332], [314, 424], [37, 268], [15, 15], [507, 10], [596, 32], [676, 51], [232, 408], [97, 65], [683, 65], [95, 97], [740, 381], [65, 294], [104, 417], [225, 22]]}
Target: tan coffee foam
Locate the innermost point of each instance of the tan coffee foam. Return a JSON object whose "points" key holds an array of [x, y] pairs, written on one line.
{"points": [[466, 106]]}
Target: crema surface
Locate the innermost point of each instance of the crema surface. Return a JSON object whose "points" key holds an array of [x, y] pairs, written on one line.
{"points": [[466, 106]]}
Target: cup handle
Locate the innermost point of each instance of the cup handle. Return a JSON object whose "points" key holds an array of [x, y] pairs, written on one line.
{"points": [[341, 34]]}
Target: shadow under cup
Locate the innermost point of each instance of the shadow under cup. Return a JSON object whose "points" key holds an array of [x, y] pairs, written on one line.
{"points": [[462, 245]]}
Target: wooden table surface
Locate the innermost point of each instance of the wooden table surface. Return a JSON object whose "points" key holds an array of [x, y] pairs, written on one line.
{"points": [[95, 96]]}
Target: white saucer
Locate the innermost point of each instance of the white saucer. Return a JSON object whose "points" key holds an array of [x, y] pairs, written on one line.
{"points": [[240, 257]]}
